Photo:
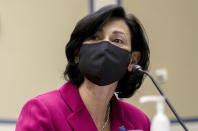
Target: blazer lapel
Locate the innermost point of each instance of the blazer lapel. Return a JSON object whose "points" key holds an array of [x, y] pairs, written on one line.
{"points": [[79, 119]]}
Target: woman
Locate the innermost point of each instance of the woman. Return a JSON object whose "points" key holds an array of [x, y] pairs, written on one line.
{"points": [[101, 52]]}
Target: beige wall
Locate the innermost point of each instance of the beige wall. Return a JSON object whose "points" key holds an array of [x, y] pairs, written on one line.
{"points": [[33, 34]]}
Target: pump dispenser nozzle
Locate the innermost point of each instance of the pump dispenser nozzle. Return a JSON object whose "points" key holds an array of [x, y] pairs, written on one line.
{"points": [[160, 120]]}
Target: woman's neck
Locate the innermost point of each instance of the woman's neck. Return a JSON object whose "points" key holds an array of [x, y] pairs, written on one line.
{"points": [[96, 99]]}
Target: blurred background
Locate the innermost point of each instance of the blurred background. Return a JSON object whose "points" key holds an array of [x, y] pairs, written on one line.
{"points": [[33, 35]]}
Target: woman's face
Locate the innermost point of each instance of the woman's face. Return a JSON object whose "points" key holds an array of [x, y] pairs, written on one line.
{"points": [[115, 31]]}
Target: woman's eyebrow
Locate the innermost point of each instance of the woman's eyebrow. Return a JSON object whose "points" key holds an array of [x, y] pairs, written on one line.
{"points": [[118, 32]]}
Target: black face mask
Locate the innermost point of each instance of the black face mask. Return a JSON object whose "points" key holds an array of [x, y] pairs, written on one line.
{"points": [[103, 63]]}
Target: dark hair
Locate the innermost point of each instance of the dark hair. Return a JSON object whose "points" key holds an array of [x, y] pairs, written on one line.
{"points": [[87, 26]]}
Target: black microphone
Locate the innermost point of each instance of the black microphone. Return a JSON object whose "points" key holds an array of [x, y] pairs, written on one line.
{"points": [[139, 68]]}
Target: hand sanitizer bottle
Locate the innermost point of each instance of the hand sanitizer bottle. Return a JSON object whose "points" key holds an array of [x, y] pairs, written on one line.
{"points": [[160, 121]]}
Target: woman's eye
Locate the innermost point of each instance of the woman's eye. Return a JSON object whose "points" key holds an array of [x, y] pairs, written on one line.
{"points": [[119, 41]]}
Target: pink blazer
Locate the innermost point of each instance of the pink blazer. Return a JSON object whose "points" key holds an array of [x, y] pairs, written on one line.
{"points": [[64, 110]]}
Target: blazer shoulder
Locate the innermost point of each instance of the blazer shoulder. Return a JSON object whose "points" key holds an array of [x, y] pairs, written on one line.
{"points": [[45, 112], [48, 97], [34, 115], [53, 100]]}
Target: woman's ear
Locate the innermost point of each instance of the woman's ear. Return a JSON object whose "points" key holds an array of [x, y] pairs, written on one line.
{"points": [[135, 58], [76, 58]]}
